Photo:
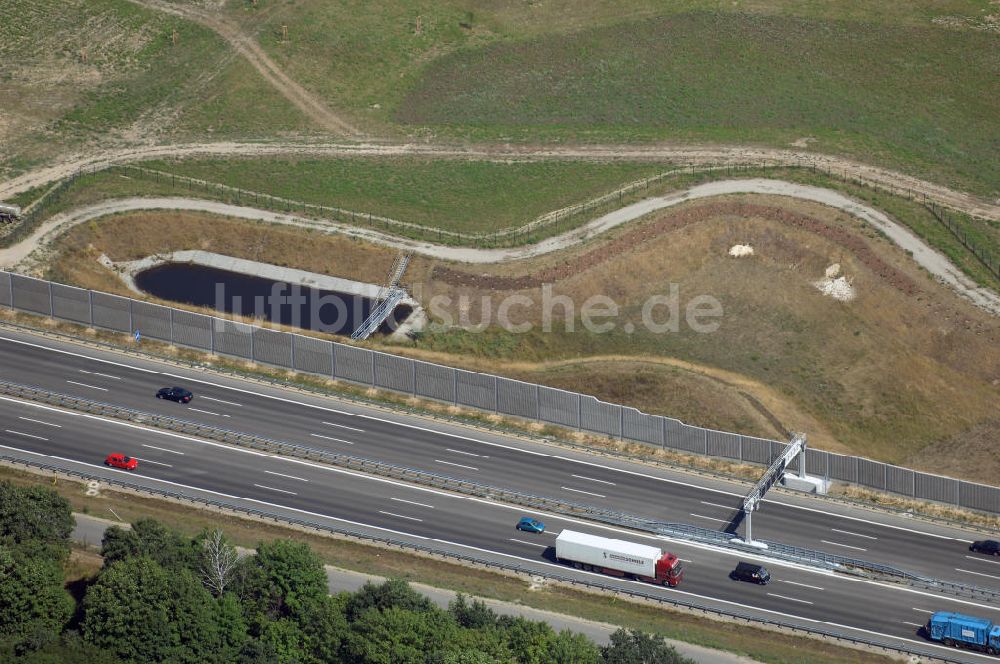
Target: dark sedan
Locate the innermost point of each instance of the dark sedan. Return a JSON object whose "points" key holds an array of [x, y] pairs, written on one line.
{"points": [[178, 394], [989, 547]]}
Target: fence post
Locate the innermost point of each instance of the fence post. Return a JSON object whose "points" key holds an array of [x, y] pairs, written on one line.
{"points": [[90, 304], [413, 376], [454, 386], [171, 311], [704, 440], [253, 351], [215, 322], [291, 348], [333, 359], [131, 325], [372, 354], [52, 310]]}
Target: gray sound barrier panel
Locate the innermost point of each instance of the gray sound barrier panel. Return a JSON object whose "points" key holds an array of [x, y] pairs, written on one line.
{"points": [[272, 347], [639, 426], [394, 373], [353, 364], [817, 462], [899, 480], [152, 320], [70, 303], [756, 450], [5, 289], [600, 417], [111, 312], [979, 496], [476, 389], [724, 444], [313, 355], [31, 294], [935, 487], [435, 381], [559, 406], [680, 436], [517, 398], [234, 339], [192, 330], [871, 473], [843, 467]]}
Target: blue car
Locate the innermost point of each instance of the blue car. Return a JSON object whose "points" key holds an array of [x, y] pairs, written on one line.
{"points": [[530, 525]]}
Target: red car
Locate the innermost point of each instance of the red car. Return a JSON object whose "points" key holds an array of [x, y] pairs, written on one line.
{"points": [[121, 461]]}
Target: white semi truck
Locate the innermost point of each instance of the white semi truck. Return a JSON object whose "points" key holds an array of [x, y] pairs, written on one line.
{"points": [[618, 558]]}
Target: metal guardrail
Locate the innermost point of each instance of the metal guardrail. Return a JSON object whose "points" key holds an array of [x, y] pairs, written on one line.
{"points": [[474, 560], [681, 531]]}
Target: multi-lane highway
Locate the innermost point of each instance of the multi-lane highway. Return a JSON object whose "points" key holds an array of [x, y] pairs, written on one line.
{"points": [[470, 525]]}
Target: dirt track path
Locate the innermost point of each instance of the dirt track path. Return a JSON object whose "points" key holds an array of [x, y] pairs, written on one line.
{"points": [[243, 44], [880, 178], [937, 264]]}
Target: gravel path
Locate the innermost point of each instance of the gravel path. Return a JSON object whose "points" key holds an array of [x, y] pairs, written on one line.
{"points": [[935, 263]]}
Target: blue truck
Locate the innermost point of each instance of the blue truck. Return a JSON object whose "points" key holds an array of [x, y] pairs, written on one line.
{"points": [[956, 629]]}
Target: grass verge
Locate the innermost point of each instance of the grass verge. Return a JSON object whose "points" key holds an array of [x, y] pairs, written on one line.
{"points": [[765, 646]]}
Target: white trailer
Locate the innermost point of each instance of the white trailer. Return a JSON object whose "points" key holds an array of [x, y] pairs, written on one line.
{"points": [[618, 557]]}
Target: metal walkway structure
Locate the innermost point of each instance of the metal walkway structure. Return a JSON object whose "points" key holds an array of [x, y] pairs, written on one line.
{"points": [[385, 302]]}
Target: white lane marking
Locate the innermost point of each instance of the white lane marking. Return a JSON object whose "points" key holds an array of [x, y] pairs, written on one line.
{"points": [[342, 426], [588, 493], [339, 440], [988, 576], [412, 502], [983, 560], [909, 623], [710, 518], [472, 454], [542, 546], [341, 412], [449, 463], [411, 518], [48, 424], [98, 373], [790, 599], [228, 403], [26, 435], [796, 583], [921, 610], [207, 412], [725, 507], [162, 449], [92, 387], [591, 479], [846, 546], [158, 463], [848, 532], [18, 449], [86, 357], [271, 488], [291, 477]]}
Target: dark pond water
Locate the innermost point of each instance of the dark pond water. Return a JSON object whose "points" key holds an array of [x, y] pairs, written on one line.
{"points": [[278, 302]]}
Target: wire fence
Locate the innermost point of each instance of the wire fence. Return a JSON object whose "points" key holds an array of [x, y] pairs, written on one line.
{"points": [[663, 599]]}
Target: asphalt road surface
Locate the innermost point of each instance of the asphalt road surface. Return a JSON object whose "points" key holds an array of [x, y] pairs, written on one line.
{"points": [[467, 524]]}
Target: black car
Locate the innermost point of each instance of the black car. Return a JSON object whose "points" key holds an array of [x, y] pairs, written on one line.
{"points": [[750, 572], [989, 547], [178, 394]]}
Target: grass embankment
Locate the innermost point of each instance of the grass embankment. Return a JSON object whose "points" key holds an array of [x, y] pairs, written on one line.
{"points": [[761, 645], [912, 87], [80, 73]]}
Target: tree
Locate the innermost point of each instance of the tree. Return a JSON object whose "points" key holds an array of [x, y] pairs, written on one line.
{"points": [[570, 648], [634, 647], [149, 537], [529, 641], [141, 611], [34, 605], [34, 513], [400, 636], [392, 593], [324, 625], [219, 562], [282, 574], [475, 615], [66, 649]]}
